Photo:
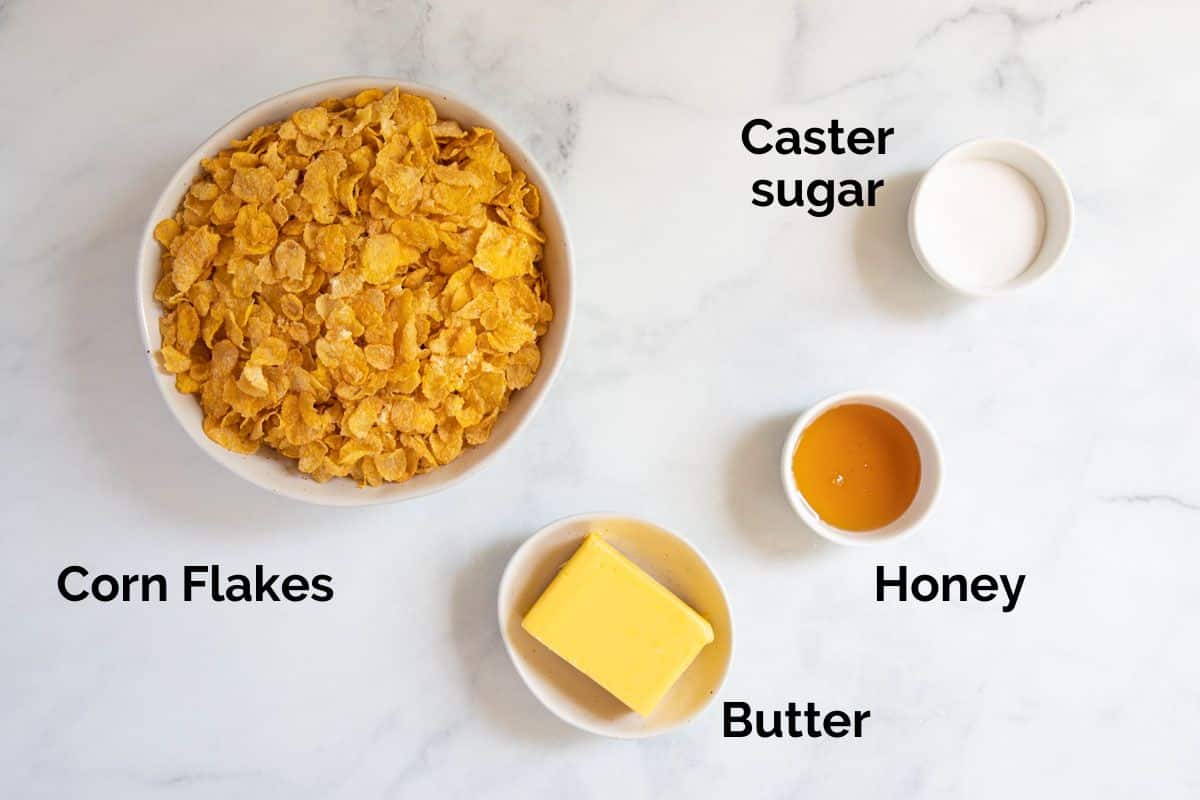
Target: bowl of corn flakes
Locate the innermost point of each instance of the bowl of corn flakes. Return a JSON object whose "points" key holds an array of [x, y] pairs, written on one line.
{"points": [[356, 292]]}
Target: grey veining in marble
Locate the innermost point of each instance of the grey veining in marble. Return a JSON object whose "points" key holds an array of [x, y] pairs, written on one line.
{"points": [[1068, 412]]}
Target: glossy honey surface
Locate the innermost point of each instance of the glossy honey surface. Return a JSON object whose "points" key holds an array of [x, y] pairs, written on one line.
{"points": [[857, 466]]}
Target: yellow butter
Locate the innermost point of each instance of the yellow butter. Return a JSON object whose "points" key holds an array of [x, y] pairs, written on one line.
{"points": [[617, 625]]}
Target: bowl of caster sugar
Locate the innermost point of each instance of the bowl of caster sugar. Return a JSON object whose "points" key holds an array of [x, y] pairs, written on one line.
{"points": [[989, 216]]}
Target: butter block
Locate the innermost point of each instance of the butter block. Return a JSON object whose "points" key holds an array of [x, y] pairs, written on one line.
{"points": [[617, 625]]}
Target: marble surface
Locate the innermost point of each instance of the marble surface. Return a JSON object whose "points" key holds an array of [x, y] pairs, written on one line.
{"points": [[1067, 412]]}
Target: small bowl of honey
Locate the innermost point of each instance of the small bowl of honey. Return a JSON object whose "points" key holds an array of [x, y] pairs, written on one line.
{"points": [[861, 468]]}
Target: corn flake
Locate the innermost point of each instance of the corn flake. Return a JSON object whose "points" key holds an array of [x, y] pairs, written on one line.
{"points": [[356, 287]]}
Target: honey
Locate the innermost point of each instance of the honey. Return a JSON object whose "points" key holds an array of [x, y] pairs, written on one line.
{"points": [[857, 466]]}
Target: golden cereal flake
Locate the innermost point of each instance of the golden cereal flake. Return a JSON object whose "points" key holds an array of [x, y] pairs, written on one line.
{"points": [[357, 287]]}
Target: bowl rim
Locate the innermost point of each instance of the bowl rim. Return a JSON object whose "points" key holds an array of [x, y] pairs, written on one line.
{"points": [[806, 513], [508, 577], [1020, 281], [564, 302]]}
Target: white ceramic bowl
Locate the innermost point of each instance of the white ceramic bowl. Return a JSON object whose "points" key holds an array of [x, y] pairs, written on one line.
{"points": [[1057, 204], [276, 474], [931, 470], [570, 694]]}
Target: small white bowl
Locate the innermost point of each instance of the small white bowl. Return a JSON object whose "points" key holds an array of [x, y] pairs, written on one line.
{"points": [[279, 475], [1057, 204], [928, 449], [567, 692]]}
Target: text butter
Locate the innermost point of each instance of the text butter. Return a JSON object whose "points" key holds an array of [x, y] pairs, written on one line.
{"points": [[617, 625]]}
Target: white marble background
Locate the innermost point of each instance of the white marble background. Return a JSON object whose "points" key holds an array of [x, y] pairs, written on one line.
{"points": [[1068, 412]]}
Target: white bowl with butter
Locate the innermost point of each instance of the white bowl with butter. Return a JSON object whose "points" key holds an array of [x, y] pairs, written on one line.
{"points": [[989, 216], [567, 692]]}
